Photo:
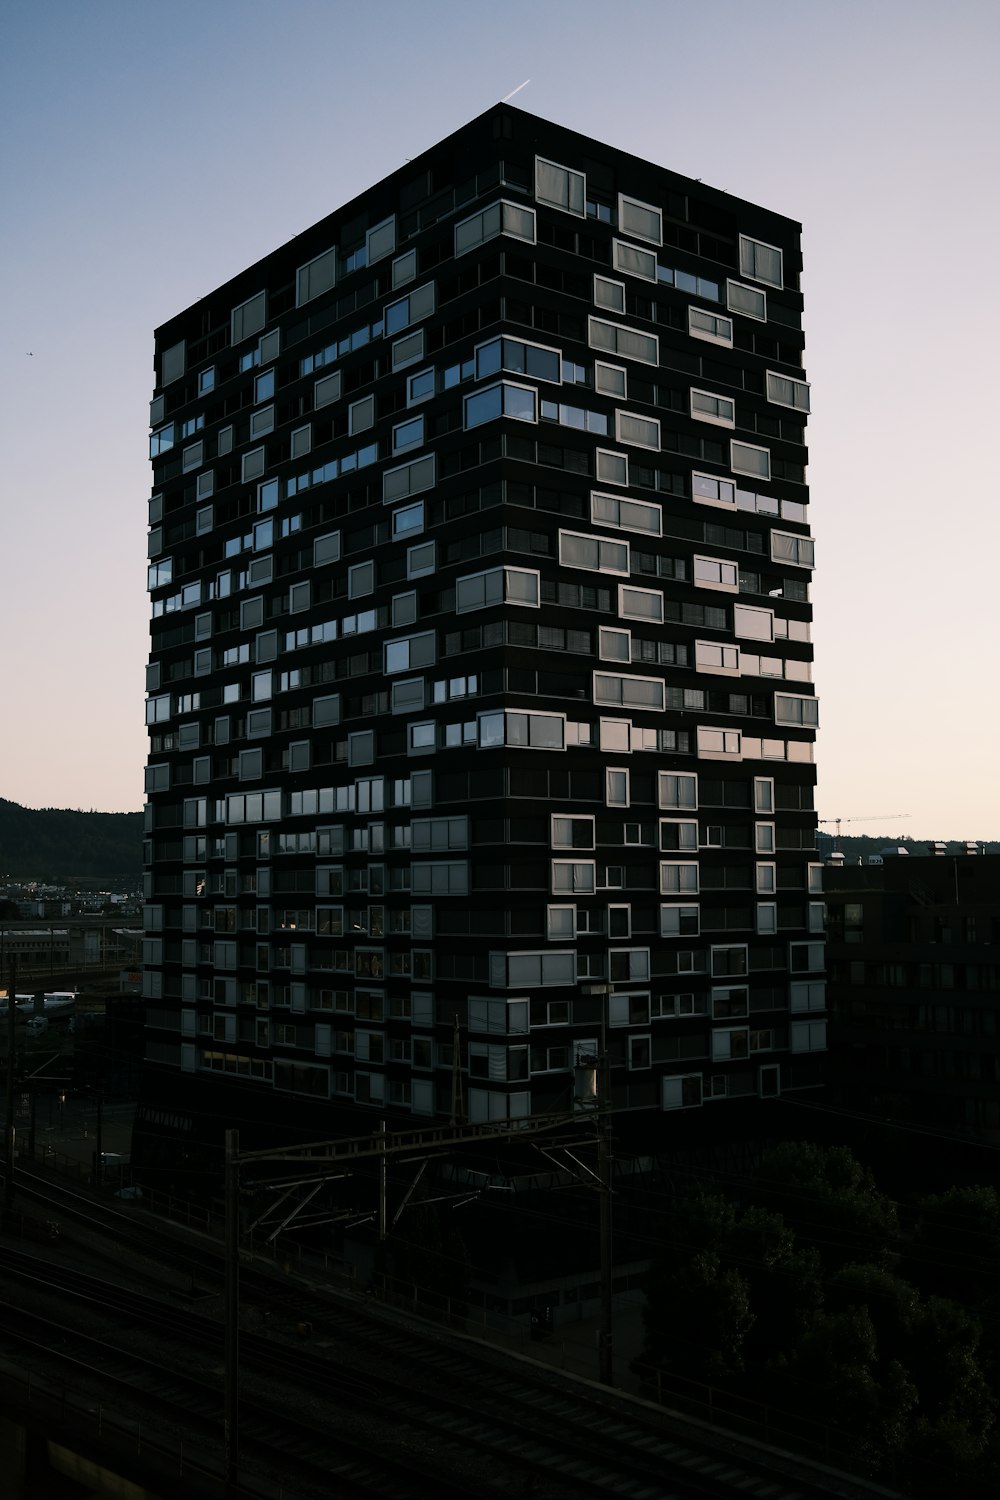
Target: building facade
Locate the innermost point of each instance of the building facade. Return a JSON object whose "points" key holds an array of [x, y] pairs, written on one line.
{"points": [[480, 695], [914, 986]]}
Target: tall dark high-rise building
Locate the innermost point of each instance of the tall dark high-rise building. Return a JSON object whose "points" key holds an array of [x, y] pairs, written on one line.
{"points": [[480, 695]]}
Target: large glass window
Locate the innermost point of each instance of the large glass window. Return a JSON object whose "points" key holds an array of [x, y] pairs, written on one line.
{"points": [[641, 220], [500, 218], [784, 391], [747, 300], [502, 400], [761, 262], [627, 343], [627, 515], [595, 553], [520, 358], [560, 187]]}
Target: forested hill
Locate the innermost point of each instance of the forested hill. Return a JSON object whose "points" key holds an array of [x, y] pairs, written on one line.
{"points": [[51, 844]]}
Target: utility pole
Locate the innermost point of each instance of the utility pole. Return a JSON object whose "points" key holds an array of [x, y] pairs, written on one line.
{"points": [[605, 1336], [383, 1184], [8, 1195], [232, 1313]]}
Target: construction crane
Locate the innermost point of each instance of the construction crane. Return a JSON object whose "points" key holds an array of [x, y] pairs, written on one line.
{"points": [[873, 818]]}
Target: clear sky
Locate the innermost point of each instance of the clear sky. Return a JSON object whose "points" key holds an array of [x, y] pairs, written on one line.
{"points": [[151, 151]]}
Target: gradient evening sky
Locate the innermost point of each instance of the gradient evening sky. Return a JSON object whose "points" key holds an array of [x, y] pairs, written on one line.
{"points": [[151, 151]]}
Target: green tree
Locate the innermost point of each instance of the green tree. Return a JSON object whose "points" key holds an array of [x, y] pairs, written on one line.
{"points": [[830, 1200], [956, 1238]]}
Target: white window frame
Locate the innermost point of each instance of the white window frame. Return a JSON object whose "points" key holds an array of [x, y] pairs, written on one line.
{"points": [[622, 249], [558, 166], [721, 565], [738, 448], [798, 385], [631, 442], [630, 588], [753, 275], [741, 312], [626, 200], [629, 514], [725, 340], [717, 416]]}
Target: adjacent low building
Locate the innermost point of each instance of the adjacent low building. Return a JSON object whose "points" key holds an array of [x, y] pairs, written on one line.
{"points": [[914, 952]]}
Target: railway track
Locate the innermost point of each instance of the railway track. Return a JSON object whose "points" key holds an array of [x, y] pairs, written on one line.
{"points": [[515, 1422]]}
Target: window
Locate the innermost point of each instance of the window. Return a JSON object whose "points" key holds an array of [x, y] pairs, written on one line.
{"points": [[640, 604], [577, 550], [761, 262], [719, 744], [561, 923], [711, 491], [530, 730], [499, 218], [252, 465], [572, 831], [627, 343], [746, 300], [408, 520], [574, 877], [716, 573], [419, 304], [627, 515], [360, 580], [315, 277], [408, 434], [611, 468], [410, 652], [804, 994], [747, 458], [682, 1091], [616, 786], [766, 879], [327, 390], [404, 268], [248, 318], [497, 585], [806, 958], [705, 407], [560, 187], [711, 327], [807, 1036], [753, 624], [730, 1043], [800, 551], [380, 240], [409, 479], [639, 432], [784, 391], [641, 220], [677, 790], [502, 400], [677, 921], [421, 386], [440, 877], [609, 294], [710, 657], [614, 645], [678, 878], [408, 351], [633, 261], [611, 380], [794, 710], [421, 560], [628, 692]]}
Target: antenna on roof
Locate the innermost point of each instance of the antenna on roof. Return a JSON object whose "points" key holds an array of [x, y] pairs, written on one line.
{"points": [[520, 86]]}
